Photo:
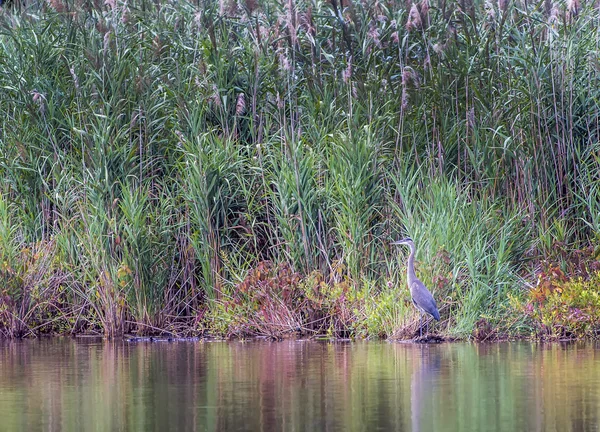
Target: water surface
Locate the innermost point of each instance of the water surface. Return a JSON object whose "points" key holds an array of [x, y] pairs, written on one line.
{"points": [[65, 385]]}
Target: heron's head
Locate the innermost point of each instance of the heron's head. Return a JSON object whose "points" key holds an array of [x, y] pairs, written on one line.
{"points": [[405, 241]]}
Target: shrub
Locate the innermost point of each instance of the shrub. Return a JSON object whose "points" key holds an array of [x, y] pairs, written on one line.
{"points": [[563, 307]]}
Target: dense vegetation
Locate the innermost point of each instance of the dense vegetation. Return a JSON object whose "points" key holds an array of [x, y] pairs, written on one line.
{"points": [[239, 168]]}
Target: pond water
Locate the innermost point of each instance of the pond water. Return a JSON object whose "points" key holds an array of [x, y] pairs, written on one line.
{"points": [[65, 385]]}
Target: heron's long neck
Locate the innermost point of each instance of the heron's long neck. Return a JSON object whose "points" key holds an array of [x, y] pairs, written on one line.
{"points": [[410, 268]]}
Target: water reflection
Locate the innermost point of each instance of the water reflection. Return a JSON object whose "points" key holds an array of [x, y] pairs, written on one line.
{"points": [[48, 385], [423, 385]]}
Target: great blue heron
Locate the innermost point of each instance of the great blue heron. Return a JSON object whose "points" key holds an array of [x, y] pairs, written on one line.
{"points": [[421, 297]]}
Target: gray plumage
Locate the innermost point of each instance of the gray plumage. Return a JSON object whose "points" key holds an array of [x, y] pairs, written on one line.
{"points": [[421, 297]]}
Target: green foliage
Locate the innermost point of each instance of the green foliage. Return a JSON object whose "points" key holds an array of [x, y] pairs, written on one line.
{"points": [[472, 247], [560, 307], [166, 149], [33, 292], [384, 315], [356, 195]]}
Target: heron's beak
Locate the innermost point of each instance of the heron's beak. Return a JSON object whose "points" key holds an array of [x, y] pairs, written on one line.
{"points": [[399, 242]]}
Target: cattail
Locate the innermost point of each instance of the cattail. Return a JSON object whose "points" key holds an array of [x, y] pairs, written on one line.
{"points": [[414, 19], [395, 37], [347, 73], [502, 5], [240, 106]]}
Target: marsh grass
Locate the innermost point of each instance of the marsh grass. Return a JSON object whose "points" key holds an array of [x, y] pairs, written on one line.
{"points": [[155, 153]]}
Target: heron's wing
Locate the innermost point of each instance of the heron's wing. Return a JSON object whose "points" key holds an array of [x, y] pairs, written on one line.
{"points": [[423, 298]]}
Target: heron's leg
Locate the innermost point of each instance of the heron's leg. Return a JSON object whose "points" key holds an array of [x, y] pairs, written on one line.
{"points": [[420, 324]]}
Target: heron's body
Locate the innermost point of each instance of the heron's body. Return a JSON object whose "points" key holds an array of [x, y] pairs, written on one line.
{"points": [[421, 297]]}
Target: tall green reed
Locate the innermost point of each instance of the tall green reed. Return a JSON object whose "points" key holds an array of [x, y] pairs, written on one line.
{"points": [[479, 241]]}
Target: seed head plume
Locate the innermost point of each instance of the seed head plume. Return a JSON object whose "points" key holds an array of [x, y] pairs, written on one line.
{"points": [[74, 76], [554, 17], [215, 97], [347, 73], [547, 8], [471, 118], [424, 10], [490, 11], [240, 106], [284, 61], [106, 45], [374, 35], [251, 6], [404, 100], [307, 23], [291, 20], [125, 14], [573, 8], [58, 5], [414, 19], [198, 19], [228, 7], [40, 100], [409, 77], [394, 35]]}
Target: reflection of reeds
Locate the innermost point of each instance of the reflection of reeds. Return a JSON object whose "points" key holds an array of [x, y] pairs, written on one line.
{"points": [[298, 386]]}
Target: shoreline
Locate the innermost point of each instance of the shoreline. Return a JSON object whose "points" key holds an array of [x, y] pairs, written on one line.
{"points": [[429, 339]]}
